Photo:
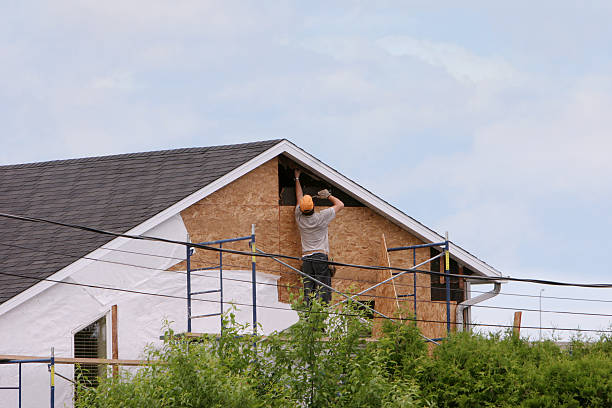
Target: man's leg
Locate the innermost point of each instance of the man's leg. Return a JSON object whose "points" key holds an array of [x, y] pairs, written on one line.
{"points": [[322, 274], [309, 284]]}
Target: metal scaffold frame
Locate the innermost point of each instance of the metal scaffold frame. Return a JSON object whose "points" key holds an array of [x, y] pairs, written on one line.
{"points": [[443, 244], [219, 267], [50, 365]]}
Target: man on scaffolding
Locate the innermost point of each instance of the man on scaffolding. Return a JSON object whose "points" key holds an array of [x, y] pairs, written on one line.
{"points": [[315, 242]]}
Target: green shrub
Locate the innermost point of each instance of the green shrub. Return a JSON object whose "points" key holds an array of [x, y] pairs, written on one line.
{"points": [[471, 370], [322, 361]]}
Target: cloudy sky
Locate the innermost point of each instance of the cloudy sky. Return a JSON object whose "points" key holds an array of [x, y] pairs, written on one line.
{"points": [[488, 121]]}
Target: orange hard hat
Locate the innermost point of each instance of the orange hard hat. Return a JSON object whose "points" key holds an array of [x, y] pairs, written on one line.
{"points": [[306, 204]]}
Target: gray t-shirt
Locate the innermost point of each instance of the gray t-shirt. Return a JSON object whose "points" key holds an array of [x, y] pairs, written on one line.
{"points": [[313, 229]]}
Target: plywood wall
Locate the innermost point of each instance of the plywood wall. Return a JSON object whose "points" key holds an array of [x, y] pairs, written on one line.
{"points": [[355, 237], [229, 213]]}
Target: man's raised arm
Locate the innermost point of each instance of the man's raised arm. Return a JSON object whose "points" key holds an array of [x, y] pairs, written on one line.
{"points": [[298, 187], [337, 205]]}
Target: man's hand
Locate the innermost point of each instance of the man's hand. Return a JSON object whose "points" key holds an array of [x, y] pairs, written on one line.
{"points": [[297, 173], [323, 194]]}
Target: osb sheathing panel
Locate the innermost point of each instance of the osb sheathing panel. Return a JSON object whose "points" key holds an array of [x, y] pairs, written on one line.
{"points": [[229, 213], [355, 237]]}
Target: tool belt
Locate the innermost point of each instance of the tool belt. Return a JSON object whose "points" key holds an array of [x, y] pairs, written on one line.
{"points": [[332, 268]]}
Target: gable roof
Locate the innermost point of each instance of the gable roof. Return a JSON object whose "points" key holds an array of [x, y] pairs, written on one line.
{"points": [[132, 193], [115, 193]]}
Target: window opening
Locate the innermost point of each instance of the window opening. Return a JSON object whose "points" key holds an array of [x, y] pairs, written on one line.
{"points": [[90, 342], [438, 286], [310, 185]]}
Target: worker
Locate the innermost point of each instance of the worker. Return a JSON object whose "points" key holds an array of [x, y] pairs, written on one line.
{"points": [[315, 241]]}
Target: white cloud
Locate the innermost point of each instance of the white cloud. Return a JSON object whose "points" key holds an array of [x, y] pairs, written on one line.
{"points": [[497, 228], [162, 18], [345, 48], [119, 81], [462, 64], [556, 147]]}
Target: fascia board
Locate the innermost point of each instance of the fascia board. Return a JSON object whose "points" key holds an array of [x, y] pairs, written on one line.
{"points": [[308, 161]]}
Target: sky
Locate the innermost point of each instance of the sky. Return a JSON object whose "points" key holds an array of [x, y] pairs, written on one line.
{"points": [[490, 121]]}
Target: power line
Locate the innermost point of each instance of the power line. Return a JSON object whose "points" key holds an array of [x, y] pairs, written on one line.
{"points": [[291, 286], [289, 309], [271, 255], [170, 270], [363, 280]]}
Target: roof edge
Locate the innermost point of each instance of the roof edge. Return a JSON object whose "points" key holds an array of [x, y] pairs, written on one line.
{"points": [[121, 156]]}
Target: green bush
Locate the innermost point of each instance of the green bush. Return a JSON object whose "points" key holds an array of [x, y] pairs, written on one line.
{"points": [[322, 361], [472, 370]]}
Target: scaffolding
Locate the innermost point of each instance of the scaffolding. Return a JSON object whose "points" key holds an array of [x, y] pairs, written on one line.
{"points": [[20, 361], [219, 267], [445, 246], [52, 361]]}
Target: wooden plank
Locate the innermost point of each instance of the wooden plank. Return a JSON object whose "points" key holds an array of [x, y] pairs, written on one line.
{"points": [[217, 335], [387, 302], [114, 339], [385, 261], [516, 329], [69, 360]]}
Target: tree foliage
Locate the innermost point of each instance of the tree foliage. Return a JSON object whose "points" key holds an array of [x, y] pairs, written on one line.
{"points": [[323, 361]]}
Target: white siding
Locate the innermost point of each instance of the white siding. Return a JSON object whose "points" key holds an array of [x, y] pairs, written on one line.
{"points": [[50, 318]]}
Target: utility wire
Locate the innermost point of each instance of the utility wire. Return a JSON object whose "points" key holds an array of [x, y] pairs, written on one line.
{"points": [[270, 255], [408, 285], [289, 309], [208, 276], [293, 286]]}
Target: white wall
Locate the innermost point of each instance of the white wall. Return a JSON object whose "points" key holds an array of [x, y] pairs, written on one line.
{"points": [[51, 318]]}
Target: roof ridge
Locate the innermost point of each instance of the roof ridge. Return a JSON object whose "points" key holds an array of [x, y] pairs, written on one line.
{"points": [[151, 153]]}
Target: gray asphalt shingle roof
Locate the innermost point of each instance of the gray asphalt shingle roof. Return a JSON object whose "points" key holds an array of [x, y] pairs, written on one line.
{"points": [[114, 193]]}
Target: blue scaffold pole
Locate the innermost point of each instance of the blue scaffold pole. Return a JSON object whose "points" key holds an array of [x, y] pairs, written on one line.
{"points": [[414, 279], [188, 289], [221, 285], [254, 279], [447, 281], [52, 371]]}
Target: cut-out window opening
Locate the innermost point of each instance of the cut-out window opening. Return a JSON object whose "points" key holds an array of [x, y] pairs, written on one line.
{"points": [[438, 286], [310, 185], [90, 342]]}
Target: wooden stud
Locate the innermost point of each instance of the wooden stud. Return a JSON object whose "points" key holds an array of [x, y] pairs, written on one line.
{"points": [[517, 324], [114, 339], [387, 291], [68, 360]]}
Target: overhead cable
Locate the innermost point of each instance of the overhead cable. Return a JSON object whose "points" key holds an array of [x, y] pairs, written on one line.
{"points": [[408, 285], [406, 319], [208, 276], [272, 255]]}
